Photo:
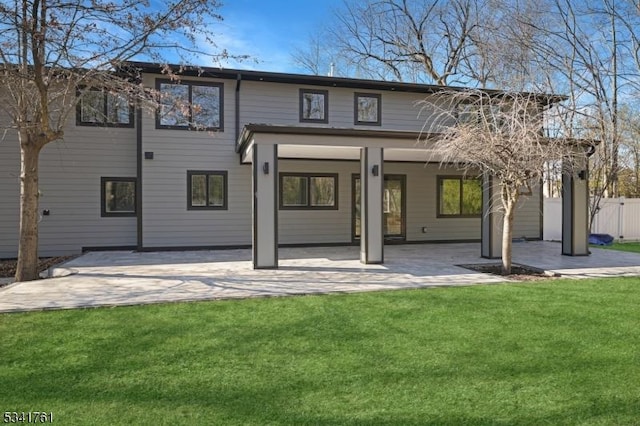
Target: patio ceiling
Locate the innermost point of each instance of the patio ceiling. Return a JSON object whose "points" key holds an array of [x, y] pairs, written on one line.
{"points": [[334, 143]]}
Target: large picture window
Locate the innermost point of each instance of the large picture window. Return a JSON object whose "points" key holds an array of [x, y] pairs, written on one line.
{"points": [[206, 190], [308, 191], [367, 108], [118, 196], [459, 197], [314, 106], [190, 105], [100, 108]]}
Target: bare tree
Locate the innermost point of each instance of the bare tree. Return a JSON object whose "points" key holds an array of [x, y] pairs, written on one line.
{"points": [[629, 176], [499, 135], [404, 40], [318, 57], [588, 53], [501, 50], [51, 49]]}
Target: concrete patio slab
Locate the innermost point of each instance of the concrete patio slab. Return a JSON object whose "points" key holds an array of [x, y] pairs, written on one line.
{"points": [[130, 278]]}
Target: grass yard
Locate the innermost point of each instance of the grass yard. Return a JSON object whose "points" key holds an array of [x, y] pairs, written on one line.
{"points": [[554, 352], [632, 247]]}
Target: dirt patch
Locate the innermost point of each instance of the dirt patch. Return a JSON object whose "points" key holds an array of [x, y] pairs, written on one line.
{"points": [[518, 272], [8, 267]]}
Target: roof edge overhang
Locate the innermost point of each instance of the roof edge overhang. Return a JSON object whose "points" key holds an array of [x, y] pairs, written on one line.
{"points": [[249, 130], [318, 80]]}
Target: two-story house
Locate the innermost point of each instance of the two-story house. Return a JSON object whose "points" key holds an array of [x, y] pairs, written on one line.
{"points": [[285, 160]]}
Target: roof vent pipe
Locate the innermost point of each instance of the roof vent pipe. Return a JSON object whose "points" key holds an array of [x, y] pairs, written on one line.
{"points": [[331, 69]]}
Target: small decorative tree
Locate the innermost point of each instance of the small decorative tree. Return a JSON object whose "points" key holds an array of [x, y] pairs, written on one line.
{"points": [[499, 135]]}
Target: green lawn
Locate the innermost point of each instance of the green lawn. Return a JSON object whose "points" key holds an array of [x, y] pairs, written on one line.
{"points": [[632, 247], [556, 352]]}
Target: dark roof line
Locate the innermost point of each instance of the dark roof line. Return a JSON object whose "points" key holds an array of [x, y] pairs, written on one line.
{"points": [[317, 80], [250, 129]]}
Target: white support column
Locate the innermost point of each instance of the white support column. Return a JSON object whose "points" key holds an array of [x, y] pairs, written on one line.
{"points": [[492, 217], [265, 206], [371, 194], [575, 209]]}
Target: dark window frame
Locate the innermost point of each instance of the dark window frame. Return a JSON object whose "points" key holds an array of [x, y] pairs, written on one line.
{"points": [[440, 215], [358, 95], [207, 173], [103, 193], [308, 206], [190, 84], [325, 93], [105, 111]]}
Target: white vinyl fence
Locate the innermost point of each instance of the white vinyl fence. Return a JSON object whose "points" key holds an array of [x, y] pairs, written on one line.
{"points": [[619, 217]]}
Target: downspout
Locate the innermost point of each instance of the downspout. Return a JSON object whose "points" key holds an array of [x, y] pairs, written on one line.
{"points": [[238, 81], [139, 175]]}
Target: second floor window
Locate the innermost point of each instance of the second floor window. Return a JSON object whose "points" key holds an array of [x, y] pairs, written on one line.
{"points": [[368, 109], [314, 106], [101, 108], [188, 105]]}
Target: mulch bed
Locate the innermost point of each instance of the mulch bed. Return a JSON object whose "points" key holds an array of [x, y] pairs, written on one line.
{"points": [[518, 272], [8, 267]]}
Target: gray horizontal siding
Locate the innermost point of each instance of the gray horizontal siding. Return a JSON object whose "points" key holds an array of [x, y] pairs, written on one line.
{"points": [[166, 220], [319, 226], [70, 172], [304, 226], [276, 103], [10, 195]]}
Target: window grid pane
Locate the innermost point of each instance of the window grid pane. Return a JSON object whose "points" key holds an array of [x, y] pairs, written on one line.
{"points": [[117, 109], [216, 190], [198, 190], [322, 191], [313, 106], [450, 196], [174, 104], [471, 197], [294, 191], [206, 106], [92, 107], [367, 109]]}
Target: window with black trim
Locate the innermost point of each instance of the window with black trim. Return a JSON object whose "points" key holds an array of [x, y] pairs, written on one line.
{"points": [[483, 114], [190, 105], [308, 191], [367, 109], [314, 106], [206, 190], [118, 196], [101, 108], [459, 196]]}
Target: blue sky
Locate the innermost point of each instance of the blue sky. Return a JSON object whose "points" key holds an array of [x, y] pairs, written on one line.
{"points": [[269, 30]]}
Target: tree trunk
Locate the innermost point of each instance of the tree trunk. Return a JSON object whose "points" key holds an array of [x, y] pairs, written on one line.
{"points": [[27, 268], [507, 232]]}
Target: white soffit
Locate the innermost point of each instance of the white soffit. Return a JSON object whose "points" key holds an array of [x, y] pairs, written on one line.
{"points": [[323, 152], [319, 151]]}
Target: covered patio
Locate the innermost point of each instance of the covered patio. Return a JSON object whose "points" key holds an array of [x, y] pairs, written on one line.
{"points": [[263, 146], [131, 278]]}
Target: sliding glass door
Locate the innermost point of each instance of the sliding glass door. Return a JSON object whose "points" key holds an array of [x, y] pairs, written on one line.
{"points": [[393, 207]]}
